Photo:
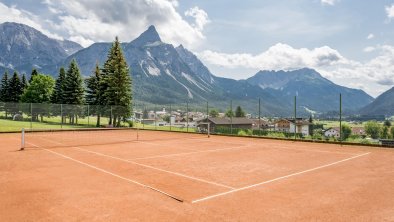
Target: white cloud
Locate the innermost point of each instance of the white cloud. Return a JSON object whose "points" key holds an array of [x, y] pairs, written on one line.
{"points": [[200, 16], [390, 11], [12, 14], [84, 20], [329, 2], [369, 49], [374, 76], [278, 57], [371, 36]]}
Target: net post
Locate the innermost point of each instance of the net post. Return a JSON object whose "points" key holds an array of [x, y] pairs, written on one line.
{"points": [[23, 139]]}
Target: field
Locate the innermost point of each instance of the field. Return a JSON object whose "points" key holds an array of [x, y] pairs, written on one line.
{"points": [[7, 125], [130, 175]]}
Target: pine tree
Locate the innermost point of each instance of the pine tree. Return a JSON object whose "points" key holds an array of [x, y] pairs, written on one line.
{"points": [[239, 112], [24, 82], [57, 96], [15, 88], [73, 91], [33, 73], [93, 93], [4, 91], [116, 75]]}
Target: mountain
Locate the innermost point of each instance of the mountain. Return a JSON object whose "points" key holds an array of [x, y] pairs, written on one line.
{"points": [[23, 47], [315, 93], [382, 105], [163, 74]]}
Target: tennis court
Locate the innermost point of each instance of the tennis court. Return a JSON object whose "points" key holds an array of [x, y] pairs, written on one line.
{"points": [[118, 175]]}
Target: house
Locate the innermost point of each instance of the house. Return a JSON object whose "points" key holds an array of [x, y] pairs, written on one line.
{"points": [[290, 125], [235, 123], [332, 132], [262, 124], [360, 131]]}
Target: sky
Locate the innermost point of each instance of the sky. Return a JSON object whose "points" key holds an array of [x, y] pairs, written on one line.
{"points": [[350, 42]]}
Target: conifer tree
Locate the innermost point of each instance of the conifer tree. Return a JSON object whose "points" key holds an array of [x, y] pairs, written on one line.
{"points": [[93, 92], [239, 112], [57, 96], [15, 88], [73, 91], [33, 73], [4, 92], [24, 82], [116, 75]]}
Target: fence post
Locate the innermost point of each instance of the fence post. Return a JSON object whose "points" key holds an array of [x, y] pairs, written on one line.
{"points": [[88, 116], [259, 117], [31, 115], [170, 118], [61, 116], [231, 116], [187, 116], [295, 117], [155, 118], [207, 111], [340, 117]]}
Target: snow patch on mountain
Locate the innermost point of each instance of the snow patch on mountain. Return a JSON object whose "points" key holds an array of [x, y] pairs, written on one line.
{"points": [[192, 81], [154, 44], [189, 94], [154, 71]]}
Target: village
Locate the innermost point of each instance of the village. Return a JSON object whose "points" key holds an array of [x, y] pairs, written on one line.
{"points": [[307, 128]]}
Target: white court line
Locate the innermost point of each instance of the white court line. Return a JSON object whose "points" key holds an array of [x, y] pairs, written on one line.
{"points": [[151, 167], [147, 166], [110, 173], [187, 153], [278, 178]]}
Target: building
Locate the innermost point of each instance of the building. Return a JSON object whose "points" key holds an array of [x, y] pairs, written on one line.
{"points": [[360, 131], [293, 126], [235, 123], [262, 124], [332, 132]]}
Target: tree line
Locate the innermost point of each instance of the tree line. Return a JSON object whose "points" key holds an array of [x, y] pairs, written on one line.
{"points": [[107, 86]]}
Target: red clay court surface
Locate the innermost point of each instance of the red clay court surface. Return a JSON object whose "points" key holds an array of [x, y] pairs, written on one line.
{"points": [[217, 178]]}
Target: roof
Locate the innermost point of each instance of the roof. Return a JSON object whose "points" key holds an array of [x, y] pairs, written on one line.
{"points": [[300, 121], [228, 121]]}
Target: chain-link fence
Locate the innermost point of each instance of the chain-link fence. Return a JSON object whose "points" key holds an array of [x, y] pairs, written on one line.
{"points": [[242, 118]]}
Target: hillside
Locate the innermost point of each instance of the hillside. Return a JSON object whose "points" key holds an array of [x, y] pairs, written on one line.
{"points": [[382, 105], [314, 91]]}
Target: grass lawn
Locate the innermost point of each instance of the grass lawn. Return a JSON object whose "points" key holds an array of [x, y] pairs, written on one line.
{"points": [[328, 124]]}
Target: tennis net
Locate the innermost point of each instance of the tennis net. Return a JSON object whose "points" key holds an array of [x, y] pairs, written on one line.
{"points": [[52, 138]]}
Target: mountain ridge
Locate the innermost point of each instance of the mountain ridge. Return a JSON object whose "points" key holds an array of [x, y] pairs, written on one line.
{"points": [[165, 74]]}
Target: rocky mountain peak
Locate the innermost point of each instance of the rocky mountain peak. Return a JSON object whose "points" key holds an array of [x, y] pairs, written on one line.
{"points": [[148, 37]]}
